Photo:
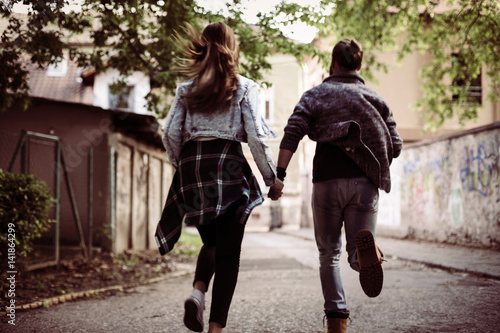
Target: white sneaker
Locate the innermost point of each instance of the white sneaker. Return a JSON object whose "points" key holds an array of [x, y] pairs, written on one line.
{"points": [[193, 315]]}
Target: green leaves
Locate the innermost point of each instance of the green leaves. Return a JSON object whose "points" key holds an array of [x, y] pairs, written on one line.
{"points": [[37, 35], [132, 35], [468, 30], [439, 29], [13, 81], [24, 206]]}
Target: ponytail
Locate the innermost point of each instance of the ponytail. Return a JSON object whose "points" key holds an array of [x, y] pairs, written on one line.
{"points": [[348, 54]]}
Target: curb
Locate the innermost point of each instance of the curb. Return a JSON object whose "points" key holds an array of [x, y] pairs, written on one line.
{"points": [[449, 268], [418, 261], [88, 293]]}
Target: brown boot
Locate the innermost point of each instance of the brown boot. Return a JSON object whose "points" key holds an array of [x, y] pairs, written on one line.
{"points": [[369, 260], [336, 322], [336, 325]]}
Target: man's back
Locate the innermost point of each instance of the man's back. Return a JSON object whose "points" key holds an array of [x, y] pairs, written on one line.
{"points": [[344, 112]]}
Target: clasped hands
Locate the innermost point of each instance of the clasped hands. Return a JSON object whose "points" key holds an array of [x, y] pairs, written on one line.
{"points": [[276, 190]]}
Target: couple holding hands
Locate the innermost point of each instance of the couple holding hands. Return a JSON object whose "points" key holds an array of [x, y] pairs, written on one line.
{"points": [[214, 189]]}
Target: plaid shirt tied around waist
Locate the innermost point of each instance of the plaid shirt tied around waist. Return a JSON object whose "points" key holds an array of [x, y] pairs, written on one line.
{"points": [[212, 175]]}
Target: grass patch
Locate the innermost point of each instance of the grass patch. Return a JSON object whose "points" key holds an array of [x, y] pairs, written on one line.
{"points": [[129, 268], [127, 260], [188, 244]]}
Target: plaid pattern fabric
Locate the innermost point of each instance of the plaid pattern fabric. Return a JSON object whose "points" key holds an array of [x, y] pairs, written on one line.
{"points": [[212, 175]]}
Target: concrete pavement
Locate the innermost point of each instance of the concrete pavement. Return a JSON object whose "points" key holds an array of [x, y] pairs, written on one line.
{"points": [[279, 291], [475, 261]]}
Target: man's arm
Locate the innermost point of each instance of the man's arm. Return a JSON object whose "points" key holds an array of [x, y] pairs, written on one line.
{"points": [[297, 127], [284, 158]]}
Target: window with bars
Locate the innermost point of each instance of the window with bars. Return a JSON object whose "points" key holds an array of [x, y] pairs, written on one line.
{"points": [[472, 85], [59, 68], [266, 100], [123, 100]]}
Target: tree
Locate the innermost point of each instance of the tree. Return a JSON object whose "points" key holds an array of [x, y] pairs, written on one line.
{"points": [[461, 38], [29, 38], [128, 35]]}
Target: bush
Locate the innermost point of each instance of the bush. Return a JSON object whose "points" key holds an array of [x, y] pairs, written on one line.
{"points": [[24, 212]]}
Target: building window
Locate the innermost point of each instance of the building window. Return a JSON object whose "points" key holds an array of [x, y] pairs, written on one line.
{"points": [[122, 100], [60, 68], [471, 84], [266, 100]]}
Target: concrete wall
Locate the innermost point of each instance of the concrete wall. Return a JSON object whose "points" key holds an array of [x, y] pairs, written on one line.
{"points": [[143, 176], [447, 190], [80, 127], [130, 174]]}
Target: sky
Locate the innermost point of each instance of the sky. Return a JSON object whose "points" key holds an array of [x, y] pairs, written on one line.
{"points": [[299, 32]]}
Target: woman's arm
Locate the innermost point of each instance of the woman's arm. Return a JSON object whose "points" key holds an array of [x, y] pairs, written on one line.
{"points": [[257, 135], [173, 130]]}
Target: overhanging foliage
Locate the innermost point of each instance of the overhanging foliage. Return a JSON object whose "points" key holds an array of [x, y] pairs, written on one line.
{"points": [[140, 33]]}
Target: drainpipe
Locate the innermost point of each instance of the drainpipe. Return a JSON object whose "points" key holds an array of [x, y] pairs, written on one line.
{"points": [[496, 109]]}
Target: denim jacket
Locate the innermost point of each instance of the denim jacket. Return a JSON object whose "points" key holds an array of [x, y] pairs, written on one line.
{"points": [[242, 122]]}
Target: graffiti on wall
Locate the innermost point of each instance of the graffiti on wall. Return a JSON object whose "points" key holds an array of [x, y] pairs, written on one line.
{"points": [[427, 182], [480, 170], [453, 186]]}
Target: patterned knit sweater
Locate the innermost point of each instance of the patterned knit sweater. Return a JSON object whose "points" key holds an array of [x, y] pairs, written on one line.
{"points": [[346, 113]]}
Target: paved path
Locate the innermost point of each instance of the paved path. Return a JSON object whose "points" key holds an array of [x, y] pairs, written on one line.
{"points": [[279, 291]]}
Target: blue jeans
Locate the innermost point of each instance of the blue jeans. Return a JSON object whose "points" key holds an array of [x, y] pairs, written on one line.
{"points": [[352, 202]]}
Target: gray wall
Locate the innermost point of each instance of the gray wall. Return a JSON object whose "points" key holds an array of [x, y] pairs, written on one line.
{"points": [[447, 190], [143, 177]]}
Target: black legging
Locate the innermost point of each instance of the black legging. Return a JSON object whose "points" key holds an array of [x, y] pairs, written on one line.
{"points": [[220, 254]]}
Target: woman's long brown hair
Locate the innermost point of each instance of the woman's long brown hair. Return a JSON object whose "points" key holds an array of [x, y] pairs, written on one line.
{"points": [[211, 60]]}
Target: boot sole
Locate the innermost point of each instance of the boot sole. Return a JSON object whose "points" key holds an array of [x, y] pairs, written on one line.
{"points": [[371, 275], [191, 316]]}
